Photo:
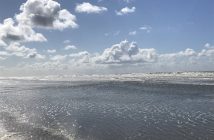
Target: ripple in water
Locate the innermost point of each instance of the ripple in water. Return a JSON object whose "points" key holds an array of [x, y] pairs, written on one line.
{"points": [[116, 110]]}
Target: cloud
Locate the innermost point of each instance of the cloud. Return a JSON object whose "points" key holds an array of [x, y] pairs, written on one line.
{"points": [[70, 47], [51, 51], [126, 52], [19, 50], [88, 8], [187, 52], [127, 56], [2, 43], [9, 33], [209, 52], [124, 57], [2, 58], [12, 35], [207, 45], [125, 11], [34, 14], [66, 41], [188, 60], [45, 14], [80, 57], [133, 33], [182, 57], [4, 55], [146, 28], [59, 58], [127, 1]]}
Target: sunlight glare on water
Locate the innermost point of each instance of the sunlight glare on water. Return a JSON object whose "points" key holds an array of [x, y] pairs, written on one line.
{"points": [[107, 110]]}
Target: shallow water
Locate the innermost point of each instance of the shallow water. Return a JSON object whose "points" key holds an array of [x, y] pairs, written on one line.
{"points": [[105, 110]]}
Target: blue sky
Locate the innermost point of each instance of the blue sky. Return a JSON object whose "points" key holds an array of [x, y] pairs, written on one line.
{"points": [[168, 26]]}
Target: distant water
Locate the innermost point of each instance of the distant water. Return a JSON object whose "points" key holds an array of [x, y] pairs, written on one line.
{"points": [[106, 110]]}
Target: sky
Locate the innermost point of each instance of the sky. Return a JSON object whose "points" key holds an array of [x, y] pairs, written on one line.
{"points": [[67, 37]]}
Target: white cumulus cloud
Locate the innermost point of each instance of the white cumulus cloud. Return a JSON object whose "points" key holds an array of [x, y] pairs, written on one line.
{"points": [[81, 57], [88, 8], [125, 11], [126, 52], [124, 57], [51, 51], [70, 47], [9, 32], [19, 50], [48, 14]]}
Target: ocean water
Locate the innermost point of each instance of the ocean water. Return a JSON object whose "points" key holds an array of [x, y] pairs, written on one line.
{"points": [[178, 107]]}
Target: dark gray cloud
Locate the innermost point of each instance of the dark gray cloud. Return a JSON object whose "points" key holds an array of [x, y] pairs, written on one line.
{"points": [[12, 37], [45, 14], [43, 20]]}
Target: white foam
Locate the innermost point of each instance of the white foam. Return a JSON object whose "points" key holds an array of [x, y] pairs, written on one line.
{"points": [[5, 135], [175, 77]]}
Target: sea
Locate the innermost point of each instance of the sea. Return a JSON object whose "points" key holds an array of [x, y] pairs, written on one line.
{"points": [[152, 106]]}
